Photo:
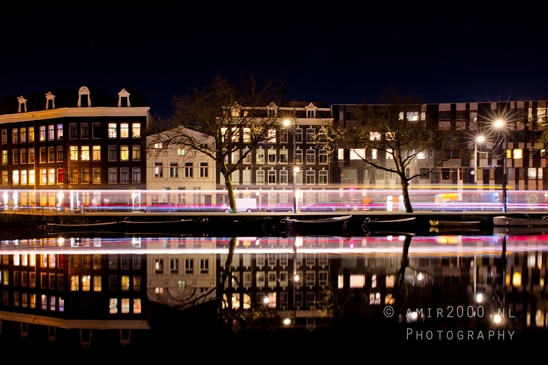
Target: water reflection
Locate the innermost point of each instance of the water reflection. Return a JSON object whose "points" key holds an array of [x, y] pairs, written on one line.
{"points": [[93, 283]]}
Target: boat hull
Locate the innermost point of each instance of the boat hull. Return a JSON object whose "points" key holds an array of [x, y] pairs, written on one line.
{"points": [[391, 225], [174, 226], [503, 221], [90, 227], [331, 225]]}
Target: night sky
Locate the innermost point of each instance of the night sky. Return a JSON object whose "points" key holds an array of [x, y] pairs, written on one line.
{"points": [[328, 51]]}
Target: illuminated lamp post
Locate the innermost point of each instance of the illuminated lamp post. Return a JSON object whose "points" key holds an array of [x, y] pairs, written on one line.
{"points": [[501, 124], [479, 140], [287, 124]]}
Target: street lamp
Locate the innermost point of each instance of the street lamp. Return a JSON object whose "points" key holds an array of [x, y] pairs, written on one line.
{"points": [[501, 124], [287, 124], [479, 139]]}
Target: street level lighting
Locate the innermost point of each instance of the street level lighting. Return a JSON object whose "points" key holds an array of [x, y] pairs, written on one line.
{"points": [[479, 140], [287, 124], [501, 124]]}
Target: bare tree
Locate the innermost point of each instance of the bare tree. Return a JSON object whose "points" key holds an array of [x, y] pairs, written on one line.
{"points": [[224, 122], [397, 129]]}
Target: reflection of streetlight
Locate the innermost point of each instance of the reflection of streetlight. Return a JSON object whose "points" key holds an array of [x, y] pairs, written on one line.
{"points": [[295, 281], [287, 124], [501, 124]]}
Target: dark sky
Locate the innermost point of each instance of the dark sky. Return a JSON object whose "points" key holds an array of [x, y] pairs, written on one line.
{"points": [[332, 51]]}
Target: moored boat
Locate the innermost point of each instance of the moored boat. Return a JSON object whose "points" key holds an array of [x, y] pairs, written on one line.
{"points": [[504, 221], [117, 226], [171, 226], [400, 224], [315, 226]]}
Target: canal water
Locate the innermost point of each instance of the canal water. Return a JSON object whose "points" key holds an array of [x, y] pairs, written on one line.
{"points": [[128, 294]]}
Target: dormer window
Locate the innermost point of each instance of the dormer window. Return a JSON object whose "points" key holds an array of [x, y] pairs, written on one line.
{"points": [[84, 91], [50, 100], [123, 98], [22, 104], [311, 111], [235, 110], [272, 110]]}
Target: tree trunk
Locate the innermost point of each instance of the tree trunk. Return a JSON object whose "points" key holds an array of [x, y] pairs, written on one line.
{"points": [[405, 193], [227, 271], [230, 191], [226, 275], [400, 290]]}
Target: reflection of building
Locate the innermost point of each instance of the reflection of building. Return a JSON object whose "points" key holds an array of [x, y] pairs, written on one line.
{"points": [[84, 292], [270, 278], [181, 279], [90, 285], [72, 141]]}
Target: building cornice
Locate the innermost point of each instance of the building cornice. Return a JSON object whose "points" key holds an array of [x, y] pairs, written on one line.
{"points": [[75, 112]]}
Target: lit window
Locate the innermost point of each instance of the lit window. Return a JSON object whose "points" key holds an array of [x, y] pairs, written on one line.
{"points": [[73, 153], [112, 130], [136, 130], [85, 153], [113, 306], [74, 283], [15, 177], [96, 156], [357, 154], [374, 154], [86, 283], [124, 130], [137, 305], [125, 283], [125, 305], [374, 136], [158, 169], [124, 153], [389, 154], [357, 281], [518, 153]]}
